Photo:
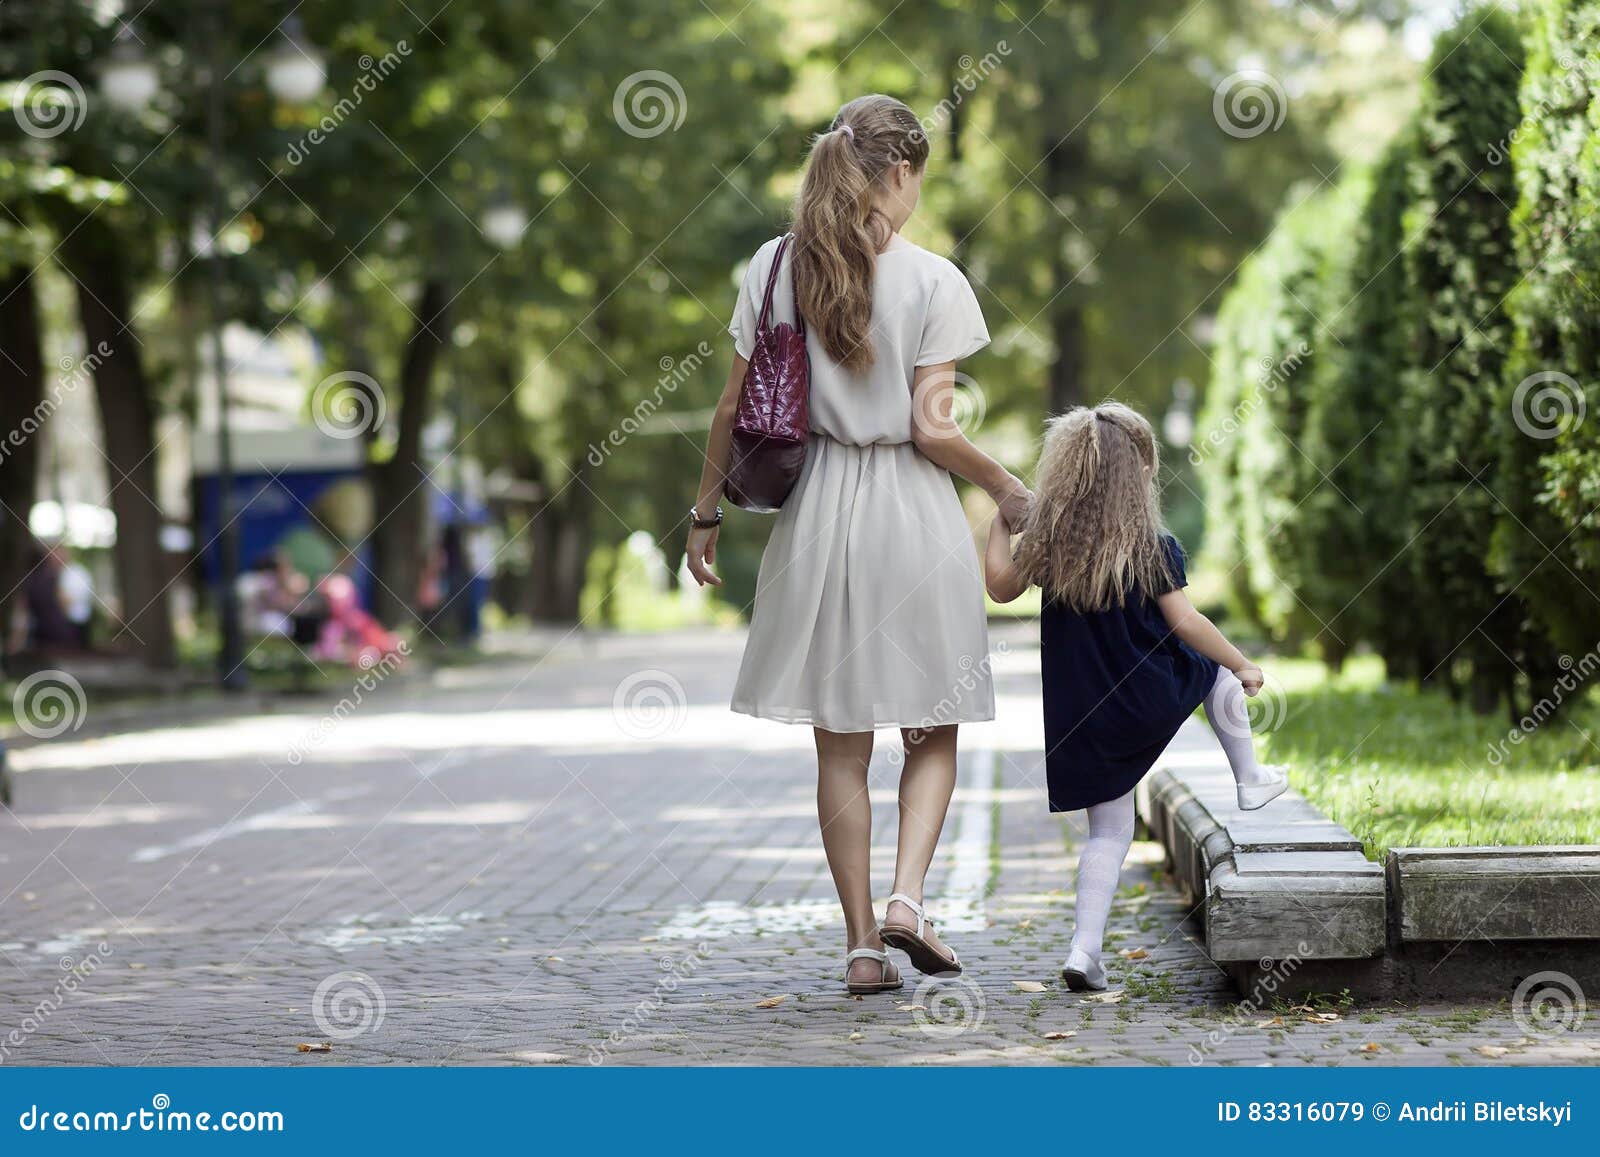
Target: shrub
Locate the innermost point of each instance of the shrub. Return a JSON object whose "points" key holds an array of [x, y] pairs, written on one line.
{"points": [[1461, 265], [1355, 526], [1545, 542]]}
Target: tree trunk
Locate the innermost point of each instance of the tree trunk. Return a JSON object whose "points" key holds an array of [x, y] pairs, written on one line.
{"points": [[21, 391], [399, 492], [1064, 165], [127, 419], [560, 535]]}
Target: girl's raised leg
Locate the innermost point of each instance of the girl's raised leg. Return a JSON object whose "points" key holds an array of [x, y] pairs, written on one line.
{"points": [[1229, 718]]}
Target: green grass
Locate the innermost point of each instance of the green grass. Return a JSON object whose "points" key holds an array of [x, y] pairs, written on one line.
{"points": [[1405, 768]]}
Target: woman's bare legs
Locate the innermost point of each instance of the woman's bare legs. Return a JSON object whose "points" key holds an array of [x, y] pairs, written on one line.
{"points": [[927, 782], [845, 813]]}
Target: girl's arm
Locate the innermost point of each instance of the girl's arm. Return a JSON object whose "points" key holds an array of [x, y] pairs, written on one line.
{"points": [[1000, 574], [702, 548], [935, 433], [1202, 634]]}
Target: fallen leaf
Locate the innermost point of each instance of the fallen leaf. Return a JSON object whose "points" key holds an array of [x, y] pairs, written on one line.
{"points": [[1322, 1017], [1275, 1022], [1133, 954], [137, 967], [772, 1001], [553, 959], [542, 1058], [1059, 1035], [1030, 986], [1372, 1047], [855, 1036], [318, 1047], [1024, 925], [906, 1007], [1491, 1051], [648, 939], [1113, 997]]}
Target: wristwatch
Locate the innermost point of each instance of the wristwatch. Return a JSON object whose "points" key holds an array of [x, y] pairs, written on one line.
{"points": [[705, 523]]}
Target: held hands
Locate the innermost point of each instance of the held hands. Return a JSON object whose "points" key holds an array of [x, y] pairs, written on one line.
{"points": [[1251, 678], [1013, 503], [702, 552]]}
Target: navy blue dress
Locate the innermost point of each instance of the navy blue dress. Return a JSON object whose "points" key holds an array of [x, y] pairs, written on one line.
{"points": [[1117, 686]]}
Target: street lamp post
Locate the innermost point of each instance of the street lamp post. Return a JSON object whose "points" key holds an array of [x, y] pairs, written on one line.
{"points": [[294, 73]]}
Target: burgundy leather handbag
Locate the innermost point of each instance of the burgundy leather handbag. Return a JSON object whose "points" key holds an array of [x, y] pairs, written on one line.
{"points": [[773, 421]]}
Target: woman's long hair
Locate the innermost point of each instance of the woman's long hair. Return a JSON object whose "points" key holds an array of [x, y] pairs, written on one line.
{"points": [[1094, 528], [838, 231]]}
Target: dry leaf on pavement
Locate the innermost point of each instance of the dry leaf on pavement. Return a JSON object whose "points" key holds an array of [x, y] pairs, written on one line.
{"points": [[318, 1047], [1133, 954], [772, 1001], [1030, 986], [1059, 1035]]}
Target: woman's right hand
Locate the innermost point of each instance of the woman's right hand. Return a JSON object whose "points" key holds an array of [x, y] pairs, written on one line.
{"points": [[702, 552], [1251, 678]]}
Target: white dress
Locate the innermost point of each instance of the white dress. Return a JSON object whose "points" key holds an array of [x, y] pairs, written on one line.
{"points": [[869, 605]]}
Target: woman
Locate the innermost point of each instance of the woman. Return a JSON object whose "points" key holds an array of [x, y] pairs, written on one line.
{"points": [[869, 606]]}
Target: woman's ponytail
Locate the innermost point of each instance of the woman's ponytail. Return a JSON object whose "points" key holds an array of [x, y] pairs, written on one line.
{"points": [[838, 231]]}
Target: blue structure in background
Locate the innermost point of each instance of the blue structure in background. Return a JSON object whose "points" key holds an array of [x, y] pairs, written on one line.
{"points": [[280, 477]]}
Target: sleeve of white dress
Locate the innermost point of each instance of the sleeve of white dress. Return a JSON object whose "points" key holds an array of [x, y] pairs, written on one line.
{"points": [[746, 314], [953, 327]]}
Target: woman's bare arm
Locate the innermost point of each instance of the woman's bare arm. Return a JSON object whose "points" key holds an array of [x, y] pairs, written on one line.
{"points": [[702, 548], [1000, 574], [1202, 634], [935, 433]]}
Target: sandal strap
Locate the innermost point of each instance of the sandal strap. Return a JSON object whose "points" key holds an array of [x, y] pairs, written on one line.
{"points": [[917, 909], [855, 954]]}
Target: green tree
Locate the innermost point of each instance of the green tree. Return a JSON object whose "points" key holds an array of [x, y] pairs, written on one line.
{"points": [[1355, 528], [1544, 539], [1461, 267]]}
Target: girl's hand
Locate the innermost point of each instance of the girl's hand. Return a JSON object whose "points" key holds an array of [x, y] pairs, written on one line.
{"points": [[1251, 678], [702, 552]]}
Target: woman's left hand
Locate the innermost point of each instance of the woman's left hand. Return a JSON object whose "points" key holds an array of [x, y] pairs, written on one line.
{"points": [[1014, 505], [702, 552]]}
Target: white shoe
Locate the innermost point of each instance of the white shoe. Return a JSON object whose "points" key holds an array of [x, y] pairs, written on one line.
{"points": [[1259, 795], [1083, 973]]}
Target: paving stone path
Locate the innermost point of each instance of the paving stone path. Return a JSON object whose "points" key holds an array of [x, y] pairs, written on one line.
{"points": [[580, 856]]}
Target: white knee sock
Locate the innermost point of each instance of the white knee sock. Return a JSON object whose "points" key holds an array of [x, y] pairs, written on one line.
{"points": [[1099, 866], [1226, 712]]}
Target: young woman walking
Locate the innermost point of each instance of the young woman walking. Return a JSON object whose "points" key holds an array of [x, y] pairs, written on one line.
{"points": [[869, 605]]}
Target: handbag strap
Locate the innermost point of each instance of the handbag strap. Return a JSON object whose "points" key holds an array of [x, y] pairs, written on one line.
{"points": [[772, 284]]}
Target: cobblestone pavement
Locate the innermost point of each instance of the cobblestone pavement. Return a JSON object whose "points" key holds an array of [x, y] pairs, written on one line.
{"points": [[583, 857]]}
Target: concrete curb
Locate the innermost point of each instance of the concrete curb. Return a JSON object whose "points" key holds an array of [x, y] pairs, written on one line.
{"points": [[1288, 900]]}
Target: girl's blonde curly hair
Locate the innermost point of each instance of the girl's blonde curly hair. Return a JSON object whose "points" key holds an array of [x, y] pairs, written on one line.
{"points": [[1094, 530]]}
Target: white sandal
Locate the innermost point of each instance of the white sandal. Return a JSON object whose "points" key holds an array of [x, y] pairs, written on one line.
{"points": [[867, 987], [924, 956]]}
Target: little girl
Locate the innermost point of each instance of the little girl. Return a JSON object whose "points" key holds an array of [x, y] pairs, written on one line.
{"points": [[1126, 658]]}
